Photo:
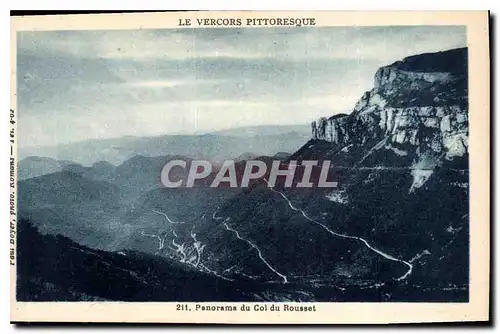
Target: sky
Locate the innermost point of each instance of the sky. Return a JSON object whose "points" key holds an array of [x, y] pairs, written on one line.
{"points": [[77, 85]]}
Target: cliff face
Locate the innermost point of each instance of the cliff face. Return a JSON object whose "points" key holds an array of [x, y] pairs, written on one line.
{"points": [[418, 106], [395, 229]]}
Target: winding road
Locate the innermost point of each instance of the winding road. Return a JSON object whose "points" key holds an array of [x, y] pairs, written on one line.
{"points": [[254, 246], [345, 236]]}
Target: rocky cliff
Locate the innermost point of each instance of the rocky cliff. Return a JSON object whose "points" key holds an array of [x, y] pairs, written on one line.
{"points": [[395, 229], [418, 106], [401, 162]]}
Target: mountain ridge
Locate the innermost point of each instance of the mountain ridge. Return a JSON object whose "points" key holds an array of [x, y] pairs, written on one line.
{"points": [[210, 146], [402, 188], [396, 228]]}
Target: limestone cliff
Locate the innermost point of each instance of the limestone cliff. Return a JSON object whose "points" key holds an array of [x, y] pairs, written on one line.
{"points": [[418, 106]]}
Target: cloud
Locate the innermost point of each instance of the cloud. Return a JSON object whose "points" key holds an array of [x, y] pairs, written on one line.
{"points": [[379, 43], [132, 82], [168, 83]]}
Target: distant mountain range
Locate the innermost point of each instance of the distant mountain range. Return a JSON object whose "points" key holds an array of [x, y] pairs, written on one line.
{"points": [[217, 146], [266, 130], [395, 229], [400, 213]]}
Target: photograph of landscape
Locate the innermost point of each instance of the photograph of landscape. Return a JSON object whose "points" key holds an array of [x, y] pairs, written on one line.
{"points": [[101, 112]]}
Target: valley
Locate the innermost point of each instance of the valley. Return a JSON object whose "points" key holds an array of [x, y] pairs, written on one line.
{"points": [[395, 227]]}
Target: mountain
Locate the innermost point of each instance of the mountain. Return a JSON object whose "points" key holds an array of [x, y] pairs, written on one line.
{"points": [[100, 171], [415, 114], [54, 268], [51, 201], [136, 174], [109, 207], [225, 145], [36, 166], [140, 173], [300, 130], [64, 188], [396, 228], [399, 216], [91, 205]]}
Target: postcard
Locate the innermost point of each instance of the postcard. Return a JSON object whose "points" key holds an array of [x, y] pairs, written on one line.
{"points": [[250, 167]]}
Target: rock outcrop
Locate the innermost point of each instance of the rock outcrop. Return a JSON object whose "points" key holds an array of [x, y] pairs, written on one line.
{"points": [[418, 105]]}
